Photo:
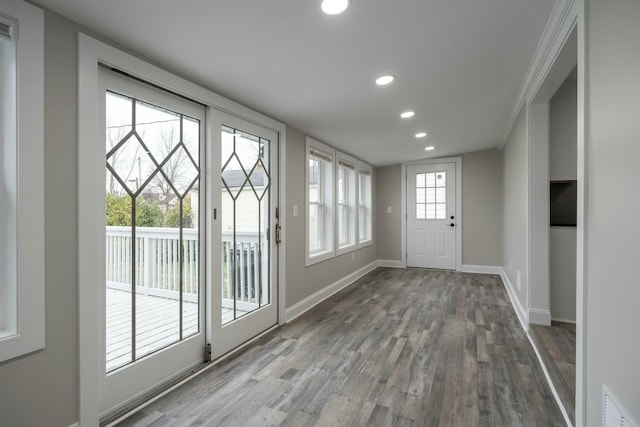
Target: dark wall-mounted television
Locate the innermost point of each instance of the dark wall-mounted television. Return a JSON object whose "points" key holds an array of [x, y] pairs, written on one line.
{"points": [[563, 203]]}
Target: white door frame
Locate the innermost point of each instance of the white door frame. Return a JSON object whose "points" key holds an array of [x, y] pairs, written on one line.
{"points": [[568, 51], [403, 202], [545, 74], [91, 53]]}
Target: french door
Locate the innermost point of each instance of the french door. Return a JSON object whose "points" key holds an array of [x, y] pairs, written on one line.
{"points": [[153, 240], [431, 211], [243, 201], [189, 238]]}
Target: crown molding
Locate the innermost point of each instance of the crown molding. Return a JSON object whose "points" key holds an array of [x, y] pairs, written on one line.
{"points": [[562, 21]]}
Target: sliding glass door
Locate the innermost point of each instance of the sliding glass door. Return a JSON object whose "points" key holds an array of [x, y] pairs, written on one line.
{"points": [[153, 292], [189, 240]]}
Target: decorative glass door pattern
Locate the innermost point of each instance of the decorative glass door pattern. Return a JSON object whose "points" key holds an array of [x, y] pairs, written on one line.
{"points": [[246, 187], [152, 228]]}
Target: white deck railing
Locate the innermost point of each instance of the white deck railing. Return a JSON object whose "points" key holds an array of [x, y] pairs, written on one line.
{"points": [[158, 267]]}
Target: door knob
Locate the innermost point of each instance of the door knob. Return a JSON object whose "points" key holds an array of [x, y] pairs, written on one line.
{"points": [[452, 216], [452, 224]]}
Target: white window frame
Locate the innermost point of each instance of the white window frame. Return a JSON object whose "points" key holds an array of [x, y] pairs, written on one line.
{"points": [[351, 204], [326, 191], [22, 317], [365, 201]]}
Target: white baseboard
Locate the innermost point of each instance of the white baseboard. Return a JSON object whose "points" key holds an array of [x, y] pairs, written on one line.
{"points": [[563, 320], [76, 424], [324, 293], [552, 386], [481, 269], [515, 301], [539, 317], [524, 322], [390, 263]]}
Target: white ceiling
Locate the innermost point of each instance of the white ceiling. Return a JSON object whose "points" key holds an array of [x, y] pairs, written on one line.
{"points": [[459, 63]]}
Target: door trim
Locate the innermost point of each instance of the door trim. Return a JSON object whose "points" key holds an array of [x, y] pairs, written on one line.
{"points": [[403, 203], [91, 53]]}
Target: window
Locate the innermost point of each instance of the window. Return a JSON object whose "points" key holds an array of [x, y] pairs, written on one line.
{"points": [[364, 205], [21, 179], [346, 203], [350, 182], [7, 175], [319, 185], [431, 195]]}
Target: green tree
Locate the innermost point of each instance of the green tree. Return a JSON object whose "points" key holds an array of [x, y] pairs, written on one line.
{"points": [[148, 214], [118, 210], [172, 216]]}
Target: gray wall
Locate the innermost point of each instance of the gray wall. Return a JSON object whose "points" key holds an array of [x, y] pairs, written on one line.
{"points": [[613, 205], [563, 131], [389, 225], [304, 281], [482, 208], [563, 161], [41, 389], [562, 273], [514, 212]]}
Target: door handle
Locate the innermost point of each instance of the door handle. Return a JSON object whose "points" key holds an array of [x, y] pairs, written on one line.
{"points": [[278, 234], [452, 224]]}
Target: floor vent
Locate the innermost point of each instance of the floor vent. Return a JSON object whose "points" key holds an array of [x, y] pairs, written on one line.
{"points": [[612, 413]]}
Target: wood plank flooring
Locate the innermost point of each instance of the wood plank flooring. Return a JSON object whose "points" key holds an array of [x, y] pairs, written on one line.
{"points": [[557, 347], [397, 348]]}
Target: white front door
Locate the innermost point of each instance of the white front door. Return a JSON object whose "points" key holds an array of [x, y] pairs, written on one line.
{"points": [[431, 211], [244, 253], [152, 297]]}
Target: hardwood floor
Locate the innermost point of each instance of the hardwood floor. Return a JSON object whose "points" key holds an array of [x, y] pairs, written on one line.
{"points": [[557, 347], [397, 348]]}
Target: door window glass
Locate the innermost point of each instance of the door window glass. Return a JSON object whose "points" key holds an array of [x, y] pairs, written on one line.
{"points": [[152, 240], [431, 198], [246, 187]]}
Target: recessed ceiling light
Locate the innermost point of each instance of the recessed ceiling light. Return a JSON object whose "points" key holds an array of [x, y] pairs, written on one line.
{"points": [[429, 148], [334, 7], [407, 114], [384, 80], [421, 134]]}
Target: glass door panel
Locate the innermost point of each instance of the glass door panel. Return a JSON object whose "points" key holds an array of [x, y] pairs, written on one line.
{"points": [[153, 317], [246, 185], [244, 253], [152, 286]]}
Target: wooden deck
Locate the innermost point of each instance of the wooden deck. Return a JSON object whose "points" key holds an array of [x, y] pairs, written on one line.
{"points": [[157, 325]]}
